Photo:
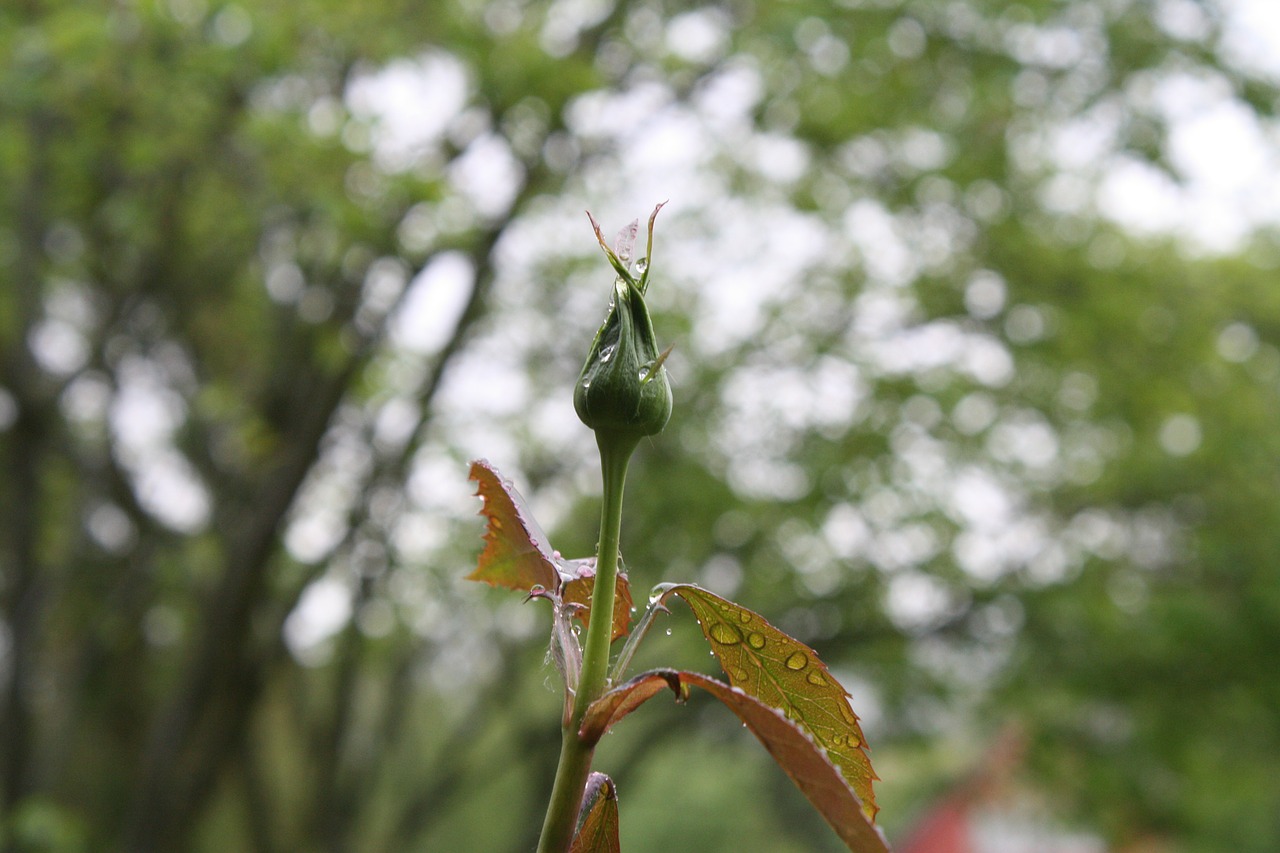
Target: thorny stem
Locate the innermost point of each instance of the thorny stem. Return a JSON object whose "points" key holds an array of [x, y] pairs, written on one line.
{"points": [[575, 754]]}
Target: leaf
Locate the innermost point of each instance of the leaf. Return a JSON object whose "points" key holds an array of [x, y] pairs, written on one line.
{"points": [[794, 749], [786, 674], [577, 590], [625, 698], [806, 762], [516, 554], [598, 829]]}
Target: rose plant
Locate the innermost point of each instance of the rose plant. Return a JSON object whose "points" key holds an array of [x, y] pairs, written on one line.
{"points": [[777, 686]]}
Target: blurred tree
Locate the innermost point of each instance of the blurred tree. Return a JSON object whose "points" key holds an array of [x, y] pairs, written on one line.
{"points": [[275, 271]]}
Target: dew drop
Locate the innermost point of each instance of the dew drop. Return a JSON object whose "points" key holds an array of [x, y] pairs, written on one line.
{"points": [[744, 617], [668, 632], [586, 384], [496, 522], [815, 677], [847, 713], [641, 265], [755, 641], [724, 634], [606, 353], [797, 661]]}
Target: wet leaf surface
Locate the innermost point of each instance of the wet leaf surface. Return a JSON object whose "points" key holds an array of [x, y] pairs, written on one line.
{"points": [[795, 750], [786, 674]]}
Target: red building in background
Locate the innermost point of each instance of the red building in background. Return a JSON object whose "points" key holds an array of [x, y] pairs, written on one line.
{"points": [[988, 812]]}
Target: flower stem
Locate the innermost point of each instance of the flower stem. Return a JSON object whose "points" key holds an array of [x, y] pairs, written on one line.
{"points": [[575, 754]]}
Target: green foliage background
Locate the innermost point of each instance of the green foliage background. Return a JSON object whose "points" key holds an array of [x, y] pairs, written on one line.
{"points": [[997, 458]]}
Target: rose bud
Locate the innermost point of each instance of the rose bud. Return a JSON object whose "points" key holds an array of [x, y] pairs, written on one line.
{"points": [[624, 388]]}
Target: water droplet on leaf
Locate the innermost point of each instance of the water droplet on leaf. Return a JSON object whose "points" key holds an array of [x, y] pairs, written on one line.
{"points": [[726, 634], [756, 641], [797, 661], [815, 677]]}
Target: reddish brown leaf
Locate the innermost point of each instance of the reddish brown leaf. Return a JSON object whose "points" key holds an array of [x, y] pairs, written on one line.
{"points": [[516, 552], [786, 674], [577, 590], [598, 827], [623, 699], [792, 747], [805, 761]]}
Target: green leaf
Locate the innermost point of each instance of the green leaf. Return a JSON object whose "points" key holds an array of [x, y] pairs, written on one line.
{"points": [[794, 748], [598, 829], [786, 674], [517, 554]]}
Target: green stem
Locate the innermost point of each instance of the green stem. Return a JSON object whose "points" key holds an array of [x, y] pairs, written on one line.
{"points": [[575, 755], [615, 454]]}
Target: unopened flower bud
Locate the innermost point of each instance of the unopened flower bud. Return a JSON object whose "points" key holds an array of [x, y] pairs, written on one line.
{"points": [[624, 388]]}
